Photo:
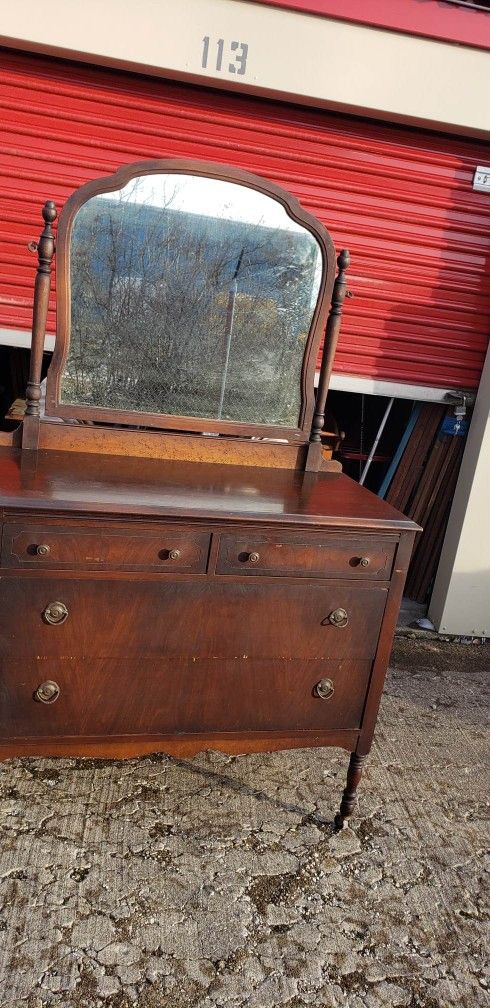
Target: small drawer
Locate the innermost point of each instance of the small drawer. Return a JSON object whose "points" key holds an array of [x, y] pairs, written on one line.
{"points": [[55, 546], [304, 555]]}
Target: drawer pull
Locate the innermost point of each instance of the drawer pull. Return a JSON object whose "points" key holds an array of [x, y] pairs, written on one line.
{"points": [[338, 618], [43, 550], [364, 562], [47, 692], [55, 613], [253, 557], [174, 554], [324, 689]]}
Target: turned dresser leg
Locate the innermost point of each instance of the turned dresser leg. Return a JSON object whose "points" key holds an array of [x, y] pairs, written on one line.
{"points": [[354, 774]]}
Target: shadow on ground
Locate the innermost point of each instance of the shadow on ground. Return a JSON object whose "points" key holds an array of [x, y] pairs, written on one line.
{"points": [[218, 881]]}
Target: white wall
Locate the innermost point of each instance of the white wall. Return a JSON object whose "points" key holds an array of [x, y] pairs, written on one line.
{"points": [[460, 601], [316, 60]]}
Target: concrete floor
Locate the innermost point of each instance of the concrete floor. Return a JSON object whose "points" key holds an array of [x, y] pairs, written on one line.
{"points": [[217, 882]]}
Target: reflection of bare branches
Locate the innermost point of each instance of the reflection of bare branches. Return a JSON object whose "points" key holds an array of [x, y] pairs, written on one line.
{"points": [[150, 296]]}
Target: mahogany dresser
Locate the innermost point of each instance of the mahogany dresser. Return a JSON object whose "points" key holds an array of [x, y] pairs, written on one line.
{"points": [[183, 565]]}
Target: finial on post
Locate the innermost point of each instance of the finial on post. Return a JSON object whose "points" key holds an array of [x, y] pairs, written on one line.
{"points": [[343, 260], [49, 212], [45, 251]]}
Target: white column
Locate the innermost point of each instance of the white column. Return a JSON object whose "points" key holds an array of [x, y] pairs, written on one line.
{"points": [[460, 601]]}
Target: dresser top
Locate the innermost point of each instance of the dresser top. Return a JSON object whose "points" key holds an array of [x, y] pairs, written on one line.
{"points": [[113, 485]]}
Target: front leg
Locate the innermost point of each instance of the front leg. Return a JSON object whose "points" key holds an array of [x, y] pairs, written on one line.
{"points": [[354, 774]]}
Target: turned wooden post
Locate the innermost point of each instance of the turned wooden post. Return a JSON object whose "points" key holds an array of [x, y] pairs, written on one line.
{"points": [[331, 335], [45, 251], [354, 774]]}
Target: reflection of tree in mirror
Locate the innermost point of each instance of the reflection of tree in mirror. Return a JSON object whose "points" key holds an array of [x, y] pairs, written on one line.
{"points": [[186, 314]]}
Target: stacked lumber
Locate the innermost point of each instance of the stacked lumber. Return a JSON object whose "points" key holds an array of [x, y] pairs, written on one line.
{"points": [[423, 488]]}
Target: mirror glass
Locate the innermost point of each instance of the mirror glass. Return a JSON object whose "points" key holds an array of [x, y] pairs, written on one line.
{"points": [[190, 296]]}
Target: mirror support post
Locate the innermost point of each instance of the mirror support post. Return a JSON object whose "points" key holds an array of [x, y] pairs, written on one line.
{"points": [[45, 250], [313, 462]]}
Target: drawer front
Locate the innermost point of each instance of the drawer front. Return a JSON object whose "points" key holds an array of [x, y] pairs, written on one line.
{"points": [[206, 618], [306, 555], [48, 545], [156, 696]]}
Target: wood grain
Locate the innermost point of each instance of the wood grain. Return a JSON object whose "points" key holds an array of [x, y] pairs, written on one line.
{"points": [[162, 695], [198, 618], [68, 483], [174, 447], [129, 746]]}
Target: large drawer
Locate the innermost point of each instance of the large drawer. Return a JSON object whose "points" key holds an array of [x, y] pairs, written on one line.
{"points": [[306, 555], [153, 696], [202, 618], [55, 545]]}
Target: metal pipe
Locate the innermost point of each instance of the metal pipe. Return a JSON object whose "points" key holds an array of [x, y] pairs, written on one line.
{"points": [[376, 442]]}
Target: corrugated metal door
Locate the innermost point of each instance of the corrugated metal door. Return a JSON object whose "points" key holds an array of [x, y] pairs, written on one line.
{"points": [[400, 200]]}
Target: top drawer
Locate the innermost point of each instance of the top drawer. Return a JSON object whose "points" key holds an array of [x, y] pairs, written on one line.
{"points": [[307, 555], [53, 545]]}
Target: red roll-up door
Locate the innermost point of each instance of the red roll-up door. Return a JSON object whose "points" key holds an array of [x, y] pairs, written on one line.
{"points": [[401, 200]]}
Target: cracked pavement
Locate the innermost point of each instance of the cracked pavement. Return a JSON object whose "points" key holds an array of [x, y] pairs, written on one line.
{"points": [[218, 882]]}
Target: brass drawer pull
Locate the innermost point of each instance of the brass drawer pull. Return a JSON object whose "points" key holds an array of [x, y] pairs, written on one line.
{"points": [[253, 557], [43, 550], [364, 562], [47, 692], [174, 554], [338, 618], [55, 613], [324, 689]]}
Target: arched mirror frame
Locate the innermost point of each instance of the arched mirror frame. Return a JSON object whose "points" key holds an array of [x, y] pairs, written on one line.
{"points": [[165, 422]]}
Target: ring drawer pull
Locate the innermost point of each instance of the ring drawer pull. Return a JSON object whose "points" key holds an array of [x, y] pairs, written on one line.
{"points": [[55, 613], [174, 554], [324, 689], [42, 550], [253, 557], [338, 618], [364, 562], [47, 692]]}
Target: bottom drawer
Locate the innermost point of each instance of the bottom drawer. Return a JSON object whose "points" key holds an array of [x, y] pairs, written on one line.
{"points": [[158, 696]]}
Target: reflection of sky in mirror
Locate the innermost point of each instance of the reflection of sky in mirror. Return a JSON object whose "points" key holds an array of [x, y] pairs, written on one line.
{"points": [[208, 197]]}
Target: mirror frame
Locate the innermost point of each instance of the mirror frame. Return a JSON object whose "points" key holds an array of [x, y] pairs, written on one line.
{"points": [[170, 422]]}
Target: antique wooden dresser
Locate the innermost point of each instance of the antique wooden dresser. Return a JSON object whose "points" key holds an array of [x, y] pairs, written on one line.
{"points": [[182, 564]]}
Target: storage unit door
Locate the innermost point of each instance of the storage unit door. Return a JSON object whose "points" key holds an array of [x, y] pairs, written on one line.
{"points": [[401, 200]]}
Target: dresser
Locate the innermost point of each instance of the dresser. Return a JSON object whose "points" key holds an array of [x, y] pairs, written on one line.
{"points": [[187, 582]]}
